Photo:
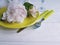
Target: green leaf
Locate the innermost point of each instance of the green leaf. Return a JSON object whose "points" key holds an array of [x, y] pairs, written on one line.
{"points": [[28, 5]]}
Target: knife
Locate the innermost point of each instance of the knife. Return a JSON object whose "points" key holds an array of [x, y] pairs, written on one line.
{"points": [[38, 24]]}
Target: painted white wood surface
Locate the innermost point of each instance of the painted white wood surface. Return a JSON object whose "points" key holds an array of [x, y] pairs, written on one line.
{"points": [[47, 34]]}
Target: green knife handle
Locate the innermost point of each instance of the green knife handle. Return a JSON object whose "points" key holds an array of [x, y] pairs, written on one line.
{"points": [[48, 14]]}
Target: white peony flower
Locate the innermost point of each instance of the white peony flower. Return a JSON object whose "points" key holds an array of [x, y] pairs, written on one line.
{"points": [[33, 11], [16, 12]]}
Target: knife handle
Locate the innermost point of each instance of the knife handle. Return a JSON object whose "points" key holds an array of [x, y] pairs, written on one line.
{"points": [[48, 14]]}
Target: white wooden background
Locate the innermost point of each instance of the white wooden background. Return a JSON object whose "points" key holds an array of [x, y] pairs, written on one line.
{"points": [[47, 34]]}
